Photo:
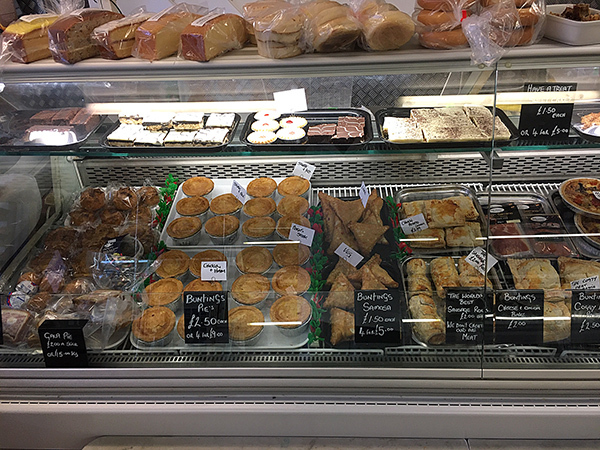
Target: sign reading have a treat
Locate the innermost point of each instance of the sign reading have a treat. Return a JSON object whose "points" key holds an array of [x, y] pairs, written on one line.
{"points": [[548, 121], [213, 271], [585, 317], [205, 317], [520, 317], [304, 170], [377, 317], [63, 343], [304, 235], [466, 321]]}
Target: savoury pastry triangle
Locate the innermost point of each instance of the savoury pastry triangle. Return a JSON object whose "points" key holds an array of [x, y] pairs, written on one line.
{"points": [[341, 294], [369, 206], [370, 281], [343, 267], [341, 233], [380, 273], [342, 326], [328, 216], [367, 235], [347, 211]]}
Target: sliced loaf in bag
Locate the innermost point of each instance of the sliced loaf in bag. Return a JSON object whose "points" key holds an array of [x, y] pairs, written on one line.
{"points": [[26, 40], [71, 35], [208, 37], [115, 39]]}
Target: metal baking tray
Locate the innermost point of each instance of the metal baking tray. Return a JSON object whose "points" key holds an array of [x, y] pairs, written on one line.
{"points": [[180, 149], [584, 248], [222, 186], [405, 112], [441, 192], [13, 127], [497, 283], [270, 339], [524, 200], [313, 117]]}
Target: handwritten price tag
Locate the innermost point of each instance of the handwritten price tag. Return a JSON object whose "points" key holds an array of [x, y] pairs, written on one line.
{"points": [[364, 194], [478, 258], [304, 235], [586, 283], [238, 190], [413, 224], [213, 271], [348, 254], [304, 170]]}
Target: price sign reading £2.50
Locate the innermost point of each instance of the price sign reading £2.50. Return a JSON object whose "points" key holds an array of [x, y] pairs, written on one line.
{"points": [[205, 315]]}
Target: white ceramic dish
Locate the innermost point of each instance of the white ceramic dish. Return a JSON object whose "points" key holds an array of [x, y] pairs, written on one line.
{"points": [[569, 31]]}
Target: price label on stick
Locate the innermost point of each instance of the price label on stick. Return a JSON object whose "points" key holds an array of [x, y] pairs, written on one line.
{"points": [[213, 271], [363, 193], [205, 316], [63, 343], [304, 235], [413, 224], [479, 259], [586, 284], [238, 190], [348, 254], [304, 170]]}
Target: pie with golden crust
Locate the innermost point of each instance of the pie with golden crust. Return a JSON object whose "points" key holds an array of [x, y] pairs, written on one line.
{"points": [[254, 259], [261, 187], [261, 206], [203, 286], [250, 289], [243, 323], [154, 324], [290, 308], [225, 204], [192, 206], [291, 280], [284, 225], [291, 254], [172, 264], [293, 186], [258, 227], [197, 186], [222, 226], [292, 205], [184, 227], [163, 292], [206, 255]]}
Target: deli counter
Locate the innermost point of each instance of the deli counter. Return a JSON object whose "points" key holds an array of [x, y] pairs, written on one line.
{"points": [[189, 250]]}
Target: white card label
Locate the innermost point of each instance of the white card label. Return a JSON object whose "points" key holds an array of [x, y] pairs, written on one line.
{"points": [[213, 271], [364, 194], [349, 254], [586, 283], [304, 170], [304, 235], [238, 190], [413, 224], [478, 259], [596, 194], [290, 101]]}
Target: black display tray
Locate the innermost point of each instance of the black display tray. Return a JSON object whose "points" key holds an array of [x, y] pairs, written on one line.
{"points": [[180, 149], [405, 112], [13, 127], [313, 117]]}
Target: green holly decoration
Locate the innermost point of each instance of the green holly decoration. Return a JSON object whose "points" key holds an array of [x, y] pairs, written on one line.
{"points": [[167, 194], [402, 251], [318, 261]]}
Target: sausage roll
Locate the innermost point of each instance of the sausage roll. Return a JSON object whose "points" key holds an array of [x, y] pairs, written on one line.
{"points": [[418, 284], [428, 326], [416, 266], [444, 275]]}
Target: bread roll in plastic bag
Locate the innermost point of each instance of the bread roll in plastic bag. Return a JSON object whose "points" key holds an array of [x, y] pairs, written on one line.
{"points": [[278, 32], [384, 27], [330, 27], [116, 39], [26, 39], [212, 35], [529, 28], [256, 10], [438, 22], [159, 36]]}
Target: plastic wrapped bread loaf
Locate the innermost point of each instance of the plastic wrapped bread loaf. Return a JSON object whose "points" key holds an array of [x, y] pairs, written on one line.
{"points": [[160, 35], [71, 35], [438, 22], [115, 39], [278, 32], [330, 27], [256, 10], [213, 35], [384, 27], [26, 40]]}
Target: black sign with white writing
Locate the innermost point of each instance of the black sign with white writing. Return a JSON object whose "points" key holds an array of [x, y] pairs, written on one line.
{"points": [[377, 317], [520, 317], [585, 317], [1, 333], [468, 316], [63, 343], [550, 120], [205, 316]]}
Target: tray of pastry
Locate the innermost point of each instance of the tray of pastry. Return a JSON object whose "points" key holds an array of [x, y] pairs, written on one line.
{"points": [[257, 278], [191, 132], [205, 211], [56, 129], [584, 244], [523, 214], [425, 281], [454, 127], [334, 129], [455, 220]]}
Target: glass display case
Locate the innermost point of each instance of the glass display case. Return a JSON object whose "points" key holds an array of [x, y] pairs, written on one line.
{"points": [[449, 268]]}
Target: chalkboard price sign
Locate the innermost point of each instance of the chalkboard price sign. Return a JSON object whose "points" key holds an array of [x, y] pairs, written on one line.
{"points": [[520, 317], [468, 316], [585, 317], [547, 121], [377, 317], [205, 316], [63, 343]]}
